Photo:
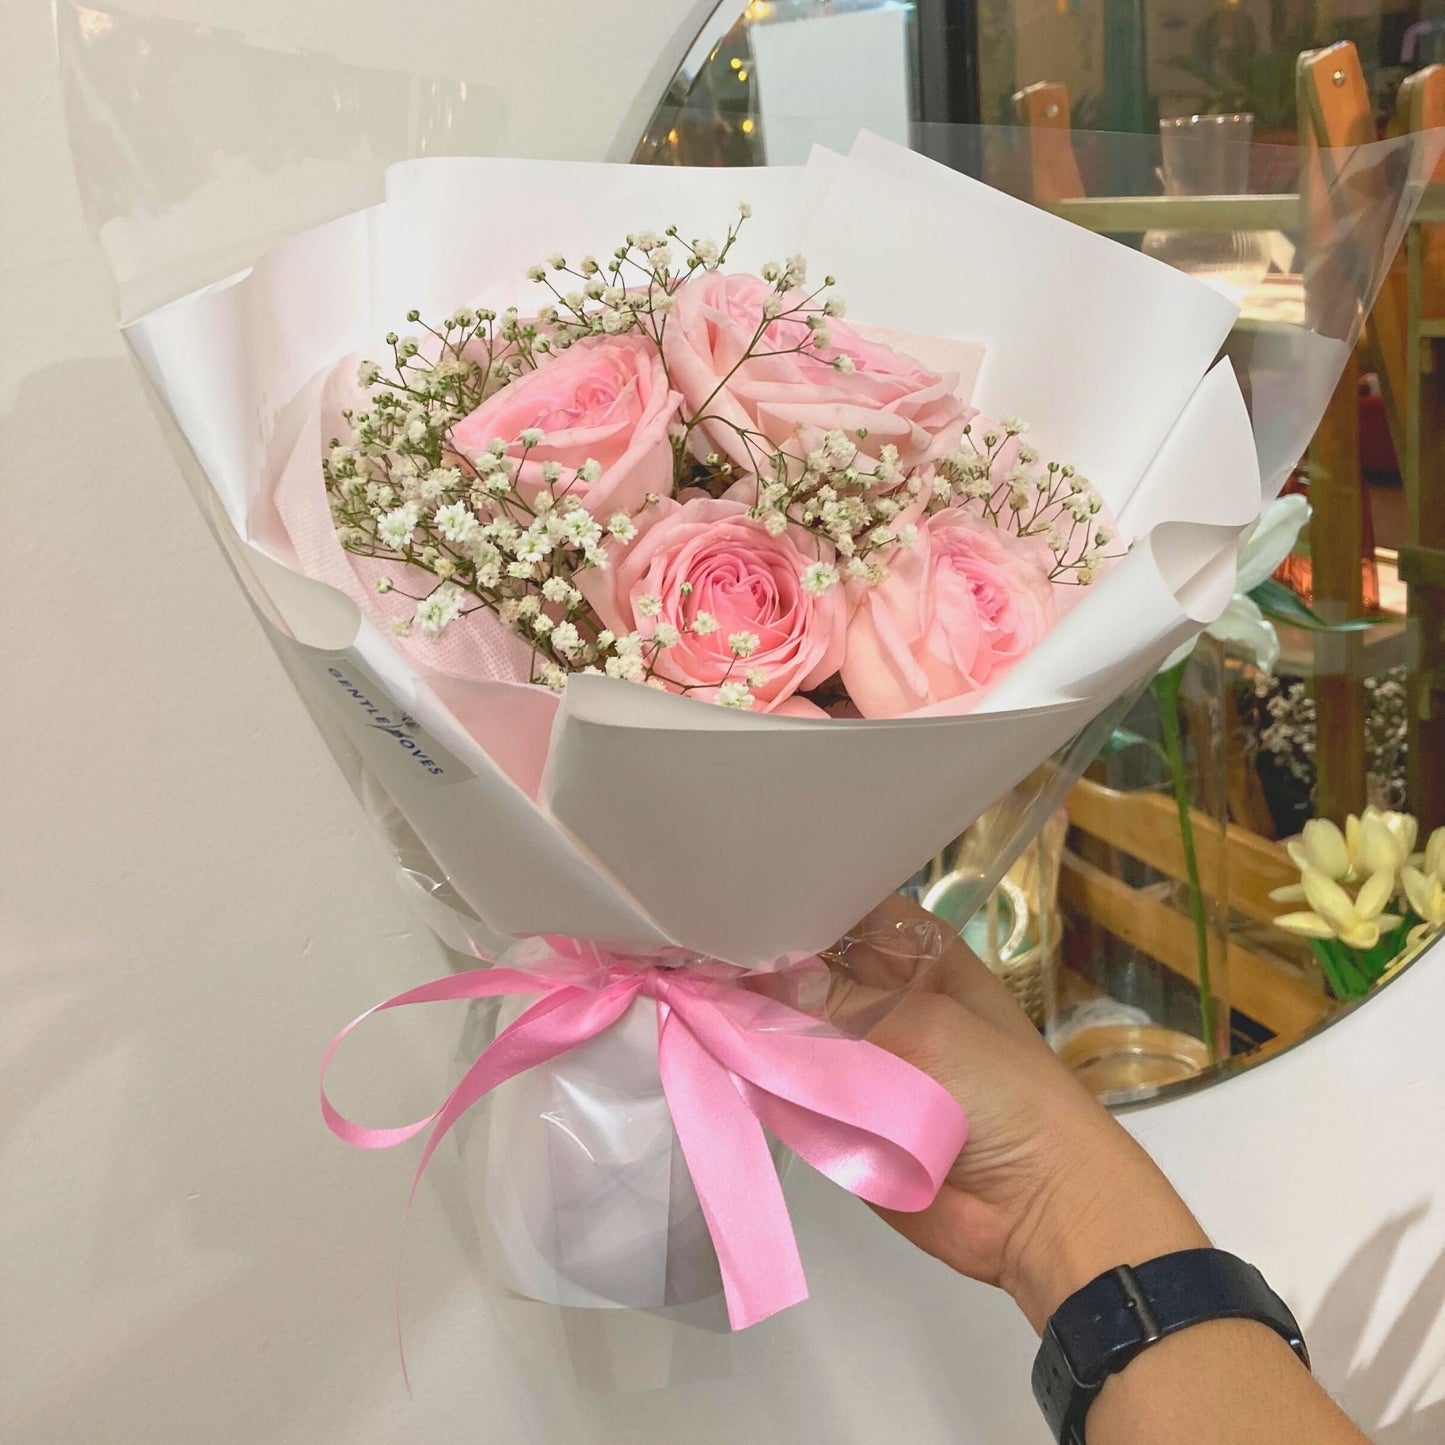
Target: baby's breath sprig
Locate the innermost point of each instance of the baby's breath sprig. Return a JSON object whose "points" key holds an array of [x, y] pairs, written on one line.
{"points": [[488, 545], [633, 289], [1046, 500]]}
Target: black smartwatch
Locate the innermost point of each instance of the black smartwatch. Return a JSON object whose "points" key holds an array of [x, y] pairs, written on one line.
{"points": [[1100, 1328]]}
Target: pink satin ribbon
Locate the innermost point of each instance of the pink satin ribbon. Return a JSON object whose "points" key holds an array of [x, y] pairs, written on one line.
{"points": [[732, 1062]]}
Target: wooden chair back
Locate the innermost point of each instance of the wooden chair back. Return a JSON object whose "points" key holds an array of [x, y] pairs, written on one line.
{"points": [[1420, 105], [1043, 110]]}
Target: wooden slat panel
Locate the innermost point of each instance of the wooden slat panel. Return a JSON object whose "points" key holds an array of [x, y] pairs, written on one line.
{"points": [[1263, 990], [1145, 826]]}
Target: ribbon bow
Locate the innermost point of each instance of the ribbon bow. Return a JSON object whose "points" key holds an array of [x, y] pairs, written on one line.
{"points": [[732, 1062]]}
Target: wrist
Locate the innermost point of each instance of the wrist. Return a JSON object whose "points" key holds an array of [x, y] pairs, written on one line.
{"points": [[1108, 1205]]}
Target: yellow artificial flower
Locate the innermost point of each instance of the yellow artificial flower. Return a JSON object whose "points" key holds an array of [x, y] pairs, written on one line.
{"points": [[1433, 859], [1379, 839], [1357, 922], [1426, 893], [1321, 846]]}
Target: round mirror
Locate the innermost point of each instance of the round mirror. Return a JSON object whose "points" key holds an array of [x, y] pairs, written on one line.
{"points": [[1143, 940]]}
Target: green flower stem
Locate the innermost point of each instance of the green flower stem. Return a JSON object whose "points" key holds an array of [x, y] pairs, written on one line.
{"points": [[1166, 687]]}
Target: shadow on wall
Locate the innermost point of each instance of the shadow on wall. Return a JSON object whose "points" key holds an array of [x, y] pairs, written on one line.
{"points": [[1370, 1385]]}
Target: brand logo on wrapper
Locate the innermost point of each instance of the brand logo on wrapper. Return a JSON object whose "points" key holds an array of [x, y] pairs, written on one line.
{"points": [[388, 734], [400, 728]]}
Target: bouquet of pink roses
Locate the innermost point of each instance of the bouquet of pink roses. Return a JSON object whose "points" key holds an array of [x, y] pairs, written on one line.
{"points": [[705, 482], [665, 619]]}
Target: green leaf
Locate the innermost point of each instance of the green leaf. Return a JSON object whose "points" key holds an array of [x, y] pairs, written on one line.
{"points": [[1279, 604]]}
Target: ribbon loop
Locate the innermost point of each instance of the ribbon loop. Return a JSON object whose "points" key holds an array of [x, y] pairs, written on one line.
{"points": [[732, 1062]]}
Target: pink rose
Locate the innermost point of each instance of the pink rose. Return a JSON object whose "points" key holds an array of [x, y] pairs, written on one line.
{"points": [[709, 571], [605, 399], [957, 610], [800, 394]]}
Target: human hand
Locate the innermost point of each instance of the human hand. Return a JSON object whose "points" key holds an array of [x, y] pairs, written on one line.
{"points": [[1050, 1190]]}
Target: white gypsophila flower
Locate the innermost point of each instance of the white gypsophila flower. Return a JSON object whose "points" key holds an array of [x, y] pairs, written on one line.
{"points": [[401, 626], [580, 527], [539, 540], [367, 373], [772, 308], [838, 450], [621, 526], [442, 607], [666, 635], [395, 527], [531, 436], [734, 694], [819, 577], [706, 251], [664, 303], [521, 570], [541, 624], [566, 638], [589, 471], [744, 210], [536, 273], [704, 624], [756, 677], [649, 605], [834, 306], [630, 669], [775, 523], [907, 535], [795, 271], [457, 524], [552, 676], [384, 585], [557, 589], [551, 472], [743, 644]]}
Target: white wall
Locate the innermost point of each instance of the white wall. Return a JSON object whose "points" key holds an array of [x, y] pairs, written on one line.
{"points": [[192, 903]]}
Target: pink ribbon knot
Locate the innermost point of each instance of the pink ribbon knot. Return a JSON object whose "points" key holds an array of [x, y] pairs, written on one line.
{"points": [[732, 1062]]}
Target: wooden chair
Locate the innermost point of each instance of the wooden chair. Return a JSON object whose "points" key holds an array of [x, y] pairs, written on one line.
{"points": [[1053, 167], [1416, 291], [1402, 342], [1334, 114]]}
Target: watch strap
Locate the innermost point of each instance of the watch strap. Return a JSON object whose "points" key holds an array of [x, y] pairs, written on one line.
{"points": [[1104, 1325]]}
